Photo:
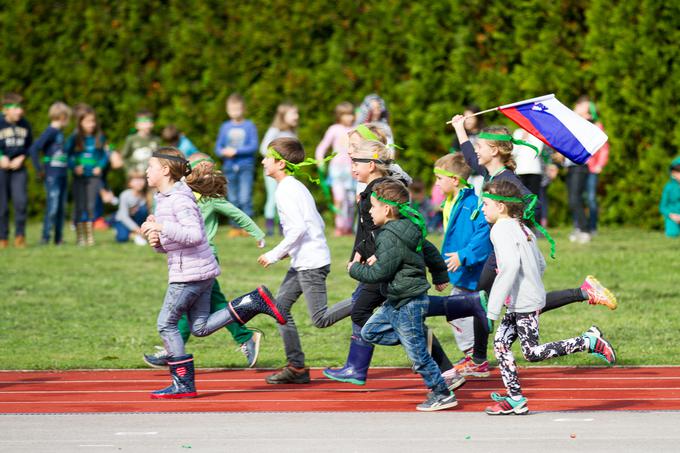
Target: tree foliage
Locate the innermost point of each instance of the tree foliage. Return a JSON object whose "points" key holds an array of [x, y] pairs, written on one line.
{"points": [[181, 59]]}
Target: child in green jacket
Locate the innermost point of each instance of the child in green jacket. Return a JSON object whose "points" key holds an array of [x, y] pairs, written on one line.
{"points": [[399, 266], [670, 201], [210, 187]]}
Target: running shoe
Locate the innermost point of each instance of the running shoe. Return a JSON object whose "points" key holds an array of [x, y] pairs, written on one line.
{"points": [[469, 368], [599, 347], [158, 359], [453, 379], [507, 406], [598, 294], [437, 402], [251, 348]]}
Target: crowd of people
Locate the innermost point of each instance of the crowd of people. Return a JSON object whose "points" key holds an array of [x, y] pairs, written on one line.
{"points": [[492, 209]]}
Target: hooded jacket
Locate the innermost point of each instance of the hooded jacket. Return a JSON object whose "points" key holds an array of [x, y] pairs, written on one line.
{"points": [[400, 268]]}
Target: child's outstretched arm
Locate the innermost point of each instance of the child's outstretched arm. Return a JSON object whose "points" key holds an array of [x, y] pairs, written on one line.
{"points": [[466, 147], [230, 211]]}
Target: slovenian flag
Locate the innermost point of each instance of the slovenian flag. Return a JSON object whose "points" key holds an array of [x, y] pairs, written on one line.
{"points": [[557, 126]]}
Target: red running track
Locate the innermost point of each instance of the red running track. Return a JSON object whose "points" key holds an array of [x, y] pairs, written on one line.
{"points": [[388, 389]]}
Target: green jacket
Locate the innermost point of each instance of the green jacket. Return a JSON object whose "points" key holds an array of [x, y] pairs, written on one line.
{"points": [[399, 267], [670, 199], [210, 208]]}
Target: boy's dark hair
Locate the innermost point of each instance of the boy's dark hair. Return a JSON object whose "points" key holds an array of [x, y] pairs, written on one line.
{"points": [[178, 168], [507, 189], [170, 135], [393, 190], [12, 98], [144, 113], [289, 148]]}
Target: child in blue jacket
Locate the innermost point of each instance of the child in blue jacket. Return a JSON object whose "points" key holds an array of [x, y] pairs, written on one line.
{"points": [[467, 244]]}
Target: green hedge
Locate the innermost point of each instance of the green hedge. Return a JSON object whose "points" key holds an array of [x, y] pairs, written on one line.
{"points": [[427, 59]]}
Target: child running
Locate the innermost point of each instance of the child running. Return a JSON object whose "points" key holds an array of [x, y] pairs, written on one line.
{"points": [[310, 258], [519, 286], [491, 157], [399, 268], [210, 188], [177, 230]]}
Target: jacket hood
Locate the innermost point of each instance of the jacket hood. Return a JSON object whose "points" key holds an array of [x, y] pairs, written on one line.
{"points": [[407, 231], [675, 163]]}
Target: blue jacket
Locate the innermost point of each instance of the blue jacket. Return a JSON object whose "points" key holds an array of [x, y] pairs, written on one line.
{"points": [[90, 157], [470, 238], [242, 137], [55, 159]]}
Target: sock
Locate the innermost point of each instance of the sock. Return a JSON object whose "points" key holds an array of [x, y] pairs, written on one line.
{"points": [[584, 294]]}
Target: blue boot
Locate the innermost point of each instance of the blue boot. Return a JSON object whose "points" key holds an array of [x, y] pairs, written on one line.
{"points": [[183, 386], [244, 308], [358, 361]]}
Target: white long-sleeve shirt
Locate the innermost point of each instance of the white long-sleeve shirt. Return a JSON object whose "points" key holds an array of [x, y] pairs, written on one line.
{"points": [[303, 228], [519, 282]]}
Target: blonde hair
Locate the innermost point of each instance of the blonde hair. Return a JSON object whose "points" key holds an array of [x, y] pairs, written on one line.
{"points": [[455, 163], [504, 148], [382, 155], [376, 129], [279, 122], [343, 108], [59, 110]]}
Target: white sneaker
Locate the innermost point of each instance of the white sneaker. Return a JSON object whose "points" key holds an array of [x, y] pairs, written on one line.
{"points": [[583, 238]]}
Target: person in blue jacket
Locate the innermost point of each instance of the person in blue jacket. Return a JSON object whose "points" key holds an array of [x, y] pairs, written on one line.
{"points": [[467, 242], [53, 169]]}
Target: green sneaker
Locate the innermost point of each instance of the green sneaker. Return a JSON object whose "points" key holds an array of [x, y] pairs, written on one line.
{"points": [[599, 347], [507, 406]]}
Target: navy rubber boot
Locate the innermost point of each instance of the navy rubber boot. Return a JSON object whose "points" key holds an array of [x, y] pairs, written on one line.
{"points": [[244, 308], [358, 361], [182, 373]]}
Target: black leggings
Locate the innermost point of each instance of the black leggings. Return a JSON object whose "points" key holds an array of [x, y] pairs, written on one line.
{"points": [[553, 300], [367, 297], [85, 190]]}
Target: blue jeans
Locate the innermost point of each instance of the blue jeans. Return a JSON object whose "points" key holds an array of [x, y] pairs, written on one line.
{"points": [[591, 198], [192, 298], [240, 177], [55, 188], [122, 231], [406, 325]]}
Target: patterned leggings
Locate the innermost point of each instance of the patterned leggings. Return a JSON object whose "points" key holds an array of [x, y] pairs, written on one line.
{"points": [[525, 326]]}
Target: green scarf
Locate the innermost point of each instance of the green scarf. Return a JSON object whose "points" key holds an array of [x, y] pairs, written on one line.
{"points": [[295, 169], [506, 138], [408, 212]]}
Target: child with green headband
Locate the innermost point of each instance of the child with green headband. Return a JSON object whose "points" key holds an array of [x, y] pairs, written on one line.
{"points": [[670, 201], [401, 256], [139, 146], [491, 157], [15, 141], [519, 287], [210, 189], [305, 243], [466, 244]]}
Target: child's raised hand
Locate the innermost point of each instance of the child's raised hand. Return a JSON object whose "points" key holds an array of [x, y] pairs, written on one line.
{"points": [[263, 261], [441, 287], [452, 262]]}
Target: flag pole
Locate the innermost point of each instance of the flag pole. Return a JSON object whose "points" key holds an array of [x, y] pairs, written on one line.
{"points": [[526, 101]]}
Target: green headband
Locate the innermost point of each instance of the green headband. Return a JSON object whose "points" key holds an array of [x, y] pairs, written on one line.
{"points": [[407, 211], [506, 138], [11, 105], [367, 134], [194, 163], [144, 119], [530, 200], [442, 172], [294, 169]]}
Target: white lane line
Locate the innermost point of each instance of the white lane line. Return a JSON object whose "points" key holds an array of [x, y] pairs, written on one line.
{"points": [[332, 400], [97, 445], [136, 433], [573, 419], [415, 378], [337, 390]]}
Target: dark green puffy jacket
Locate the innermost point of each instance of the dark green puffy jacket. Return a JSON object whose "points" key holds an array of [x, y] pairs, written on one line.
{"points": [[399, 268]]}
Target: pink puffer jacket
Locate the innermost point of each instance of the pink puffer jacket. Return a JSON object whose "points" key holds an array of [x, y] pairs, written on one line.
{"points": [[183, 238]]}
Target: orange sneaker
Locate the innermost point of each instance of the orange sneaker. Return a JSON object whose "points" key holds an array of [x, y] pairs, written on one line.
{"points": [[20, 242], [598, 294], [467, 367], [4, 243]]}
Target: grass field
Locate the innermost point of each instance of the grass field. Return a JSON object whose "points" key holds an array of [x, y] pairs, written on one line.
{"points": [[70, 307]]}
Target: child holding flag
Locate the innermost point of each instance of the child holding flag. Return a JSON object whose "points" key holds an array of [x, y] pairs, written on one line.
{"points": [[519, 287], [491, 157]]}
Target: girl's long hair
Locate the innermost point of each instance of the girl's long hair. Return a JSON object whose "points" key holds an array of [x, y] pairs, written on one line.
{"points": [[205, 179], [281, 111], [81, 113]]}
